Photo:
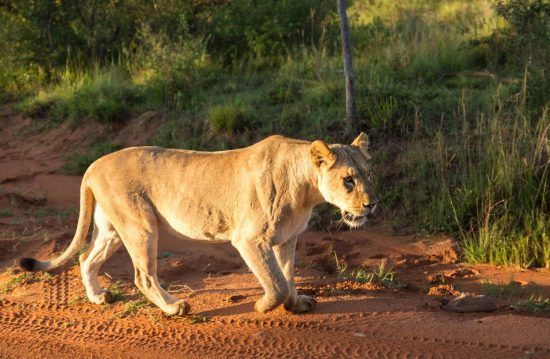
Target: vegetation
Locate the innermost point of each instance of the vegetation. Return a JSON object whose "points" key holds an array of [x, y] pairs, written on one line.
{"points": [[15, 282], [77, 163], [23, 279], [505, 289], [132, 308], [114, 288], [454, 94], [381, 274], [535, 304]]}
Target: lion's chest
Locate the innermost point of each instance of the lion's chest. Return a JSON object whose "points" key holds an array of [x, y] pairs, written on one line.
{"points": [[295, 223]]}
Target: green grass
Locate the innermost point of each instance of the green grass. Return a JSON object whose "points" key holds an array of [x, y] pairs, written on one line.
{"points": [[132, 308], [105, 96], [77, 163], [194, 319], [61, 214], [231, 117], [6, 212], [503, 290], [381, 274], [115, 290], [15, 282], [486, 181], [535, 304]]}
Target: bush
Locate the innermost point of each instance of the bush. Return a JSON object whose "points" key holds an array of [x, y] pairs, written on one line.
{"points": [[488, 183], [107, 96], [522, 46], [232, 117], [76, 164]]}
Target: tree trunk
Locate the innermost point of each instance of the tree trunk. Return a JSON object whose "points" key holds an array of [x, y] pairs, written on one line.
{"points": [[351, 123]]}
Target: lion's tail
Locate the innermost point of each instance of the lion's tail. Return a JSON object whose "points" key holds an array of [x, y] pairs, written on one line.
{"points": [[84, 220]]}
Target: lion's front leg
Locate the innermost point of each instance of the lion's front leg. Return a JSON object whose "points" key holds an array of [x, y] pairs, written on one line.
{"points": [[285, 254], [262, 262]]}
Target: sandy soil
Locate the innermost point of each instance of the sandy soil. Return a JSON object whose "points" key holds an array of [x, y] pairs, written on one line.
{"points": [[48, 315]]}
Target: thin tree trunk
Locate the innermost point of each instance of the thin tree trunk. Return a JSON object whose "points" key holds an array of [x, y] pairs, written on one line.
{"points": [[351, 125]]}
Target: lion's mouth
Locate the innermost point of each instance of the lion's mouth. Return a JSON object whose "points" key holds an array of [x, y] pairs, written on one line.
{"points": [[353, 220]]}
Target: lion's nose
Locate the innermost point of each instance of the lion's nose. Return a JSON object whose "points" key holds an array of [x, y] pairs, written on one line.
{"points": [[371, 205]]}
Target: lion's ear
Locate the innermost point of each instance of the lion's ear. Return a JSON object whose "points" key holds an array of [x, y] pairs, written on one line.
{"points": [[321, 154], [362, 143]]}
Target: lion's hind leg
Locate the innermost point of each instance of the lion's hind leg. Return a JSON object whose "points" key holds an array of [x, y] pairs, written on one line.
{"points": [[140, 237], [105, 242], [143, 251]]}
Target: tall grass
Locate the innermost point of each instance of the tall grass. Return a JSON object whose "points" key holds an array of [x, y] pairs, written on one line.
{"points": [[488, 182], [506, 187], [105, 95]]}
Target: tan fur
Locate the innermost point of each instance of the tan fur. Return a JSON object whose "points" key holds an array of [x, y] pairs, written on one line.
{"points": [[259, 198]]}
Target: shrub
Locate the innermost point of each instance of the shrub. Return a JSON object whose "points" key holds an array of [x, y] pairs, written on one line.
{"points": [[231, 117], [106, 96], [76, 164]]}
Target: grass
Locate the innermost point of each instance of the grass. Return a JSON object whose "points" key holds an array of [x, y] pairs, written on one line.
{"points": [[61, 214], [6, 212], [105, 95], [77, 163], [381, 274], [15, 282], [503, 290], [196, 318], [487, 182], [231, 117], [535, 304], [116, 291], [132, 308]]}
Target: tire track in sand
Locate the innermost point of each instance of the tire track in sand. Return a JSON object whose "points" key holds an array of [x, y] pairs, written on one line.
{"points": [[237, 338], [59, 289]]}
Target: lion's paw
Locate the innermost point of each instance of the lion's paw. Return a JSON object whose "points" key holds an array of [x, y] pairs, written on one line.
{"points": [[180, 307], [303, 303], [104, 297]]}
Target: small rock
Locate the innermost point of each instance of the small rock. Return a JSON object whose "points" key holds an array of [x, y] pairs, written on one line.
{"points": [[445, 251], [461, 273], [433, 304], [467, 303], [443, 290]]}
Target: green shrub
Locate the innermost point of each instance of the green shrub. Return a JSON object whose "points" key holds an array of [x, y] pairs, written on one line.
{"points": [[107, 96], [488, 183], [77, 163], [231, 117]]}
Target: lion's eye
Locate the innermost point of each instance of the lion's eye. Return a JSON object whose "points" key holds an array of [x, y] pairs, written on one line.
{"points": [[349, 183]]}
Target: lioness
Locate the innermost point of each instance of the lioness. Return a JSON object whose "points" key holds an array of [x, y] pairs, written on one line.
{"points": [[259, 198]]}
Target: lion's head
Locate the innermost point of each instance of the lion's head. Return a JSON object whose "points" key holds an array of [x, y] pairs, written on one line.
{"points": [[344, 178]]}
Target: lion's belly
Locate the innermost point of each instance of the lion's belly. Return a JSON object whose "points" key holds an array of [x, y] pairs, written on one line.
{"points": [[209, 226], [210, 223]]}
